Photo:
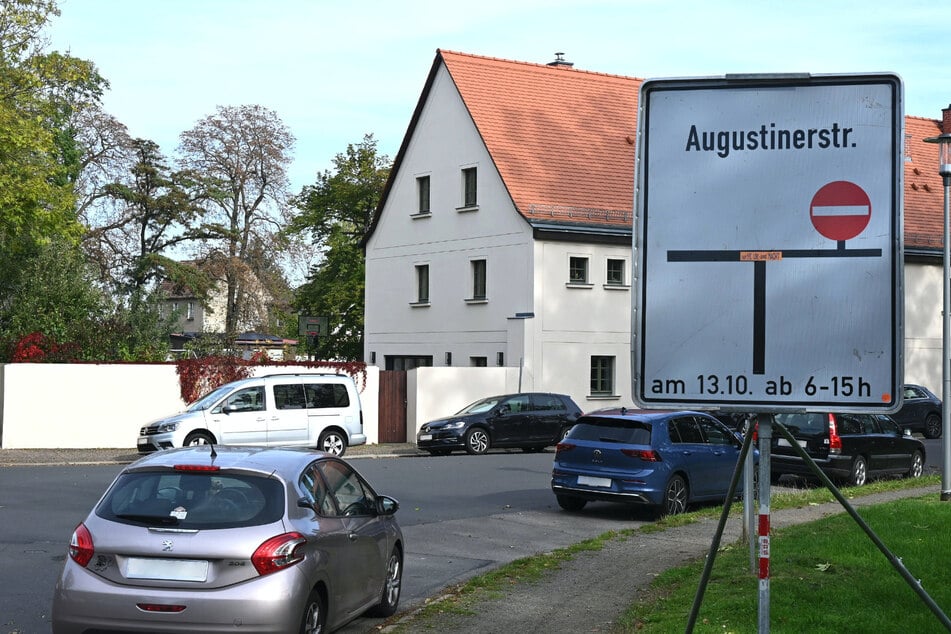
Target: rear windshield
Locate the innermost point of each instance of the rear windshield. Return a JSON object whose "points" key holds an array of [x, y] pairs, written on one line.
{"points": [[805, 423], [628, 432], [196, 500]]}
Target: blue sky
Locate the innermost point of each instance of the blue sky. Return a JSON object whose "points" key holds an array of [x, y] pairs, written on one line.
{"points": [[334, 71]]}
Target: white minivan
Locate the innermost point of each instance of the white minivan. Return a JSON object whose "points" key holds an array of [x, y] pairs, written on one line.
{"points": [[305, 410]]}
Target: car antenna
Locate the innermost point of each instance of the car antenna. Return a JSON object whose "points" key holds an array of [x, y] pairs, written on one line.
{"points": [[214, 454]]}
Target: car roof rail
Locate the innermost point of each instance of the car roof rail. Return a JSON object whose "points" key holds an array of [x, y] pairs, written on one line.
{"points": [[279, 374]]}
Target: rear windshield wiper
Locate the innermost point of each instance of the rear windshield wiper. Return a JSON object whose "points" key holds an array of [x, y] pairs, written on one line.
{"points": [[164, 520]]}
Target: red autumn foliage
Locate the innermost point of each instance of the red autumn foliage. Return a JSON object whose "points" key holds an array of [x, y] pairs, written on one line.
{"points": [[38, 348], [198, 377]]}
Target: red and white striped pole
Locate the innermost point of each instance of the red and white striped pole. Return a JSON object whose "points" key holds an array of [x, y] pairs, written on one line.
{"points": [[765, 432]]}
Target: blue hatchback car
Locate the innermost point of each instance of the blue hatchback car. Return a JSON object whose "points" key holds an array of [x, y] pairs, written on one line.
{"points": [[661, 459]]}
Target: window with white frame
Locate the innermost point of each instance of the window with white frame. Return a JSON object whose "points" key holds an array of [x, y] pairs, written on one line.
{"points": [[614, 276], [602, 376], [478, 279], [469, 187], [422, 194], [577, 270], [422, 283], [190, 311]]}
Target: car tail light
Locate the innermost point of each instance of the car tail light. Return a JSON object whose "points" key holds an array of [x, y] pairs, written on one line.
{"points": [[835, 443], [647, 455], [81, 548], [278, 553], [196, 467], [563, 446]]}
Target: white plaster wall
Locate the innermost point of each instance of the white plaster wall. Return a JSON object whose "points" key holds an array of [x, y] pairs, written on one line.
{"points": [[446, 141], [573, 324], [923, 325], [440, 392], [86, 406], [48, 405]]}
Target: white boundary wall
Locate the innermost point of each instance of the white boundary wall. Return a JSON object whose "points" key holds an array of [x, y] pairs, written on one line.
{"points": [[87, 406]]}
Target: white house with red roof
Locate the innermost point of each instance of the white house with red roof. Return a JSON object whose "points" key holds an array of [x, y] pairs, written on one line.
{"points": [[504, 233]]}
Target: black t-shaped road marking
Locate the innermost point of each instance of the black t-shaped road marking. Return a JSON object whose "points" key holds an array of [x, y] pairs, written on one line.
{"points": [[759, 259]]}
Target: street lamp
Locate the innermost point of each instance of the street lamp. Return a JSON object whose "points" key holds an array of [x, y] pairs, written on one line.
{"points": [[944, 168]]}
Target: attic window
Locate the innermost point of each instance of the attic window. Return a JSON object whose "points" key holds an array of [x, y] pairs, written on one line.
{"points": [[422, 194], [470, 199]]}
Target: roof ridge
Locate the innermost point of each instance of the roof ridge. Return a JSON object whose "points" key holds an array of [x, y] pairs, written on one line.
{"points": [[539, 65], [930, 119]]}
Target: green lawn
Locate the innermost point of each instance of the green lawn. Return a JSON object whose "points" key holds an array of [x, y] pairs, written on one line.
{"points": [[826, 576]]}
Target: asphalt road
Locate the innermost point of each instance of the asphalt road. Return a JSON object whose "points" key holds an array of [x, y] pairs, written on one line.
{"points": [[461, 515]]}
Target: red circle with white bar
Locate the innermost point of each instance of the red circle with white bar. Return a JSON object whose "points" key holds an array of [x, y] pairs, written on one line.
{"points": [[840, 210]]}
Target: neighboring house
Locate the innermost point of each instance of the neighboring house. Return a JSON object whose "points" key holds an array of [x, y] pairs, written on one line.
{"points": [[504, 233], [198, 316]]}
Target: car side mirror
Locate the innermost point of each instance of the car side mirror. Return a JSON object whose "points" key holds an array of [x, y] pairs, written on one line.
{"points": [[227, 409], [906, 432], [385, 505], [304, 503]]}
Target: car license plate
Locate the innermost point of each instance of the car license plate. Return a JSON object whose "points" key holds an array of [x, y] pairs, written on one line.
{"points": [[425, 436], [594, 482], [166, 569], [782, 442]]}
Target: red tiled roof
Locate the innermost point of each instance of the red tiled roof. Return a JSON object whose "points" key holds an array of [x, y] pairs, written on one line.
{"points": [[561, 138], [924, 194], [563, 141]]}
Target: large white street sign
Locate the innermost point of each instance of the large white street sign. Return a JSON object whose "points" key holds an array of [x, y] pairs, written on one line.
{"points": [[768, 243]]}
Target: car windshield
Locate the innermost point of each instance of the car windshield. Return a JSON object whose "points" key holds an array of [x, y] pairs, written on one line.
{"points": [[209, 399], [480, 406], [613, 430], [193, 499]]}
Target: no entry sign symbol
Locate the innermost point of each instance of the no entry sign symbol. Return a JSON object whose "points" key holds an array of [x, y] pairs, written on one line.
{"points": [[840, 210]]}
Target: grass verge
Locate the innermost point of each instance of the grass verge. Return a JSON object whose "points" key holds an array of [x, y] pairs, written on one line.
{"points": [[825, 576]]}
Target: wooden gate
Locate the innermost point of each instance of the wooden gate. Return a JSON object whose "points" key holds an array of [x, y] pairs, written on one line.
{"points": [[392, 406]]}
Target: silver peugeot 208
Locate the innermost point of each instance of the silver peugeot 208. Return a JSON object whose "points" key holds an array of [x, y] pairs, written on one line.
{"points": [[224, 539]]}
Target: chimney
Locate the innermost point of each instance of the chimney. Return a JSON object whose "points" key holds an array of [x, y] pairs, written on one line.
{"points": [[560, 61], [946, 120]]}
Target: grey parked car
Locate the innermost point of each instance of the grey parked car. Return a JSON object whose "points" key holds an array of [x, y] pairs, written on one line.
{"points": [[225, 539]]}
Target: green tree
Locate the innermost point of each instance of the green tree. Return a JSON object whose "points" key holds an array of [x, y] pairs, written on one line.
{"points": [[38, 157], [335, 289], [53, 293], [156, 210], [337, 212], [242, 153]]}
